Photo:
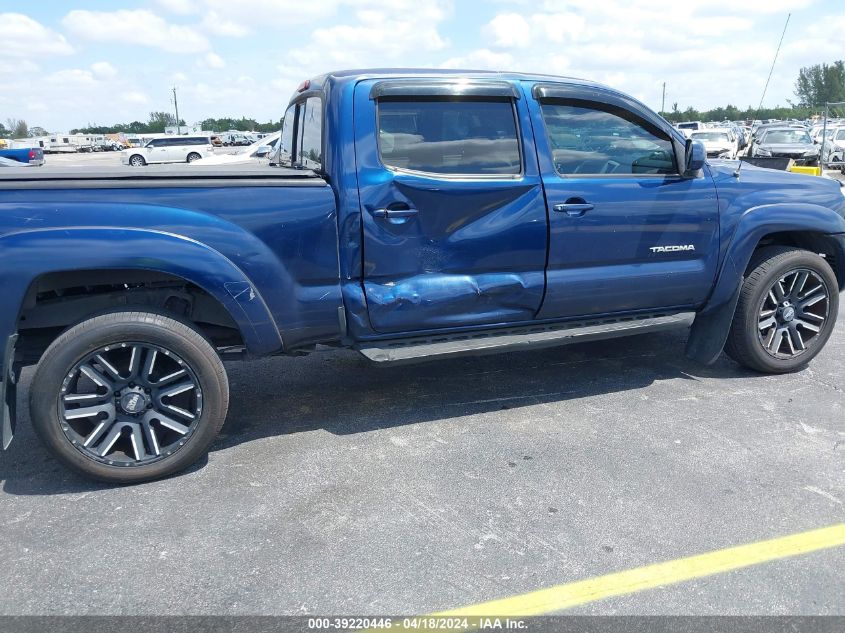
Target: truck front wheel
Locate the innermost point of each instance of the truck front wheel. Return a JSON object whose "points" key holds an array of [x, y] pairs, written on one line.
{"points": [[126, 397], [786, 311]]}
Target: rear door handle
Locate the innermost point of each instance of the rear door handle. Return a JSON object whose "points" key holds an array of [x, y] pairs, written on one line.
{"points": [[576, 209]]}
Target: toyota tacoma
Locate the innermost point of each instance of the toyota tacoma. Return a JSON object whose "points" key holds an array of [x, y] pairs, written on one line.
{"points": [[409, 215]]}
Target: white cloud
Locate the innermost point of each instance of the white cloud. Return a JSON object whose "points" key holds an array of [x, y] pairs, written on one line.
{"points": [[23, 37], [104, 70], [18, 67], [509, 30], [140, 27], [244, 15], [482, 59], [180, 7], [212, 60], [380, 33], [709, 52], [135, 96], [217, 25]]}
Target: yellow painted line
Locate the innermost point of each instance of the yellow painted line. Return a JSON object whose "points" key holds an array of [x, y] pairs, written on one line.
{"points": [[671, 572]]}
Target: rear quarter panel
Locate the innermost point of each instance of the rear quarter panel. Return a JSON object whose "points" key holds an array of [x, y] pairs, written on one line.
{"points": [[282, 239]]}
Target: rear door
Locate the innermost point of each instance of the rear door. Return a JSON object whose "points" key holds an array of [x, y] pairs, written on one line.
{"points": [[627, 232], [454, 219]]}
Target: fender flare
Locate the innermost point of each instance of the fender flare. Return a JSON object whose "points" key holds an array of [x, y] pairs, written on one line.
{"points": [[31, 254], [712, 323]]}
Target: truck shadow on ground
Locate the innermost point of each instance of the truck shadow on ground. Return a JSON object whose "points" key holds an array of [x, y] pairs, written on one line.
{"points": [[343, 393]]}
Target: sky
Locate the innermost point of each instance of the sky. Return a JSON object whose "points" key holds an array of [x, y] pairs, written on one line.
{"points": [[70, 63]]}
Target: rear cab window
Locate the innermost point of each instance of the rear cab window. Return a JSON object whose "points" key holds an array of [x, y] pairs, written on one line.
{"points": [[454, 136], [301, 142]]}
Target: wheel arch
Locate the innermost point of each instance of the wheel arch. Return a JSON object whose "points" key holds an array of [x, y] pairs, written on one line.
{"points": [[805, 226], [144, 261]]}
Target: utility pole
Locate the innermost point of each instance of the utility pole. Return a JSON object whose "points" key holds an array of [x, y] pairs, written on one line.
{"points": [[176, 105], [663, 101]]}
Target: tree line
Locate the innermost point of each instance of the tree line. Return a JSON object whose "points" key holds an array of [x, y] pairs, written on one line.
{"points": [[158, 121], [815, 86]]}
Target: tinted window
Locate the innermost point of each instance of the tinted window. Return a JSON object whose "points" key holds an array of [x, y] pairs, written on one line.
{"points": [[310, 138], [285, 147], [157, 143], [592, 138], [449, 136]]}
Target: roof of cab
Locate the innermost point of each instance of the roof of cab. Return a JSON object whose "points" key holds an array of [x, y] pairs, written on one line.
{"points": [[355, 75]]}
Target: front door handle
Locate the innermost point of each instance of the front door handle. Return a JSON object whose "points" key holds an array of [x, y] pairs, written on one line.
{"points": [[394, 214], [574, 206]]}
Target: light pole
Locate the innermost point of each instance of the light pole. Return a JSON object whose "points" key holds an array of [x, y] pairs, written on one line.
{"points": [[176, 105]]}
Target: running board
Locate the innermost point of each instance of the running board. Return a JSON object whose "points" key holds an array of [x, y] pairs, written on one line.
{"points": [[521, 338]]}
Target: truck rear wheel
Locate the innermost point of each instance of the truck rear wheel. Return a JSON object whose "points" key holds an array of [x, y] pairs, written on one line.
{"points": [[126, 397], [786, 311]]}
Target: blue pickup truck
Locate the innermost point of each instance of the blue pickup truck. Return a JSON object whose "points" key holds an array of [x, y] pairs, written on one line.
{"points": [[26, 155], [409, 215]]}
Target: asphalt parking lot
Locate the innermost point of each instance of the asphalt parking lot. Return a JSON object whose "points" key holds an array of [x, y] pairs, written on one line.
{"points": [[340, 487], [343, 487]]}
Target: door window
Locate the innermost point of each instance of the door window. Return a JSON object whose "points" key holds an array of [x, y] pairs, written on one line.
{"points": [[449, 136], [595, 138]]}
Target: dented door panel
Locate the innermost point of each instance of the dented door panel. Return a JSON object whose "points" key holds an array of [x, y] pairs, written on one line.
{"points": [[460, 251]]}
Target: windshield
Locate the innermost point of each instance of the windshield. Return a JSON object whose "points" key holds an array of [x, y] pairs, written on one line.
{"points": [[710, 136], [786, 136], [687, 126]]}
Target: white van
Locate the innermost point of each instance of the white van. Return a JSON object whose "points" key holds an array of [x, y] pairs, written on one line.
{"points": [[168, 149], [688, 127]]}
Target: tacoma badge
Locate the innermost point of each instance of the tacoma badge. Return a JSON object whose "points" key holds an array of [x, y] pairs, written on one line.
{"points": [[672, 248]]}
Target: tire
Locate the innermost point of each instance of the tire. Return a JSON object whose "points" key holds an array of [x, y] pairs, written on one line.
{"points": [[779, 310], [155, 423], [193, 156], [136, 160]]}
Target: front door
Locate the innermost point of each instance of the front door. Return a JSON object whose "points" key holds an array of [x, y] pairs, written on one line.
{"points": [[158, 150], [627, 232], [453, 213]]}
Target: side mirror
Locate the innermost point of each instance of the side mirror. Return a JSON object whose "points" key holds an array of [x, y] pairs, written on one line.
{"points": [[695, 156], [263, 150]]}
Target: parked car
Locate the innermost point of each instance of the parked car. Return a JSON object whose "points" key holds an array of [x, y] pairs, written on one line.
{"points": [[786, 142], [168, 149], [29, 155], [717, 143], [235, 139], [259, 151], [835, 148], [454, 213]]}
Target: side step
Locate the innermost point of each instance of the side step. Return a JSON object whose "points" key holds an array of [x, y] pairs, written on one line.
{"points": [[528, 337]]}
